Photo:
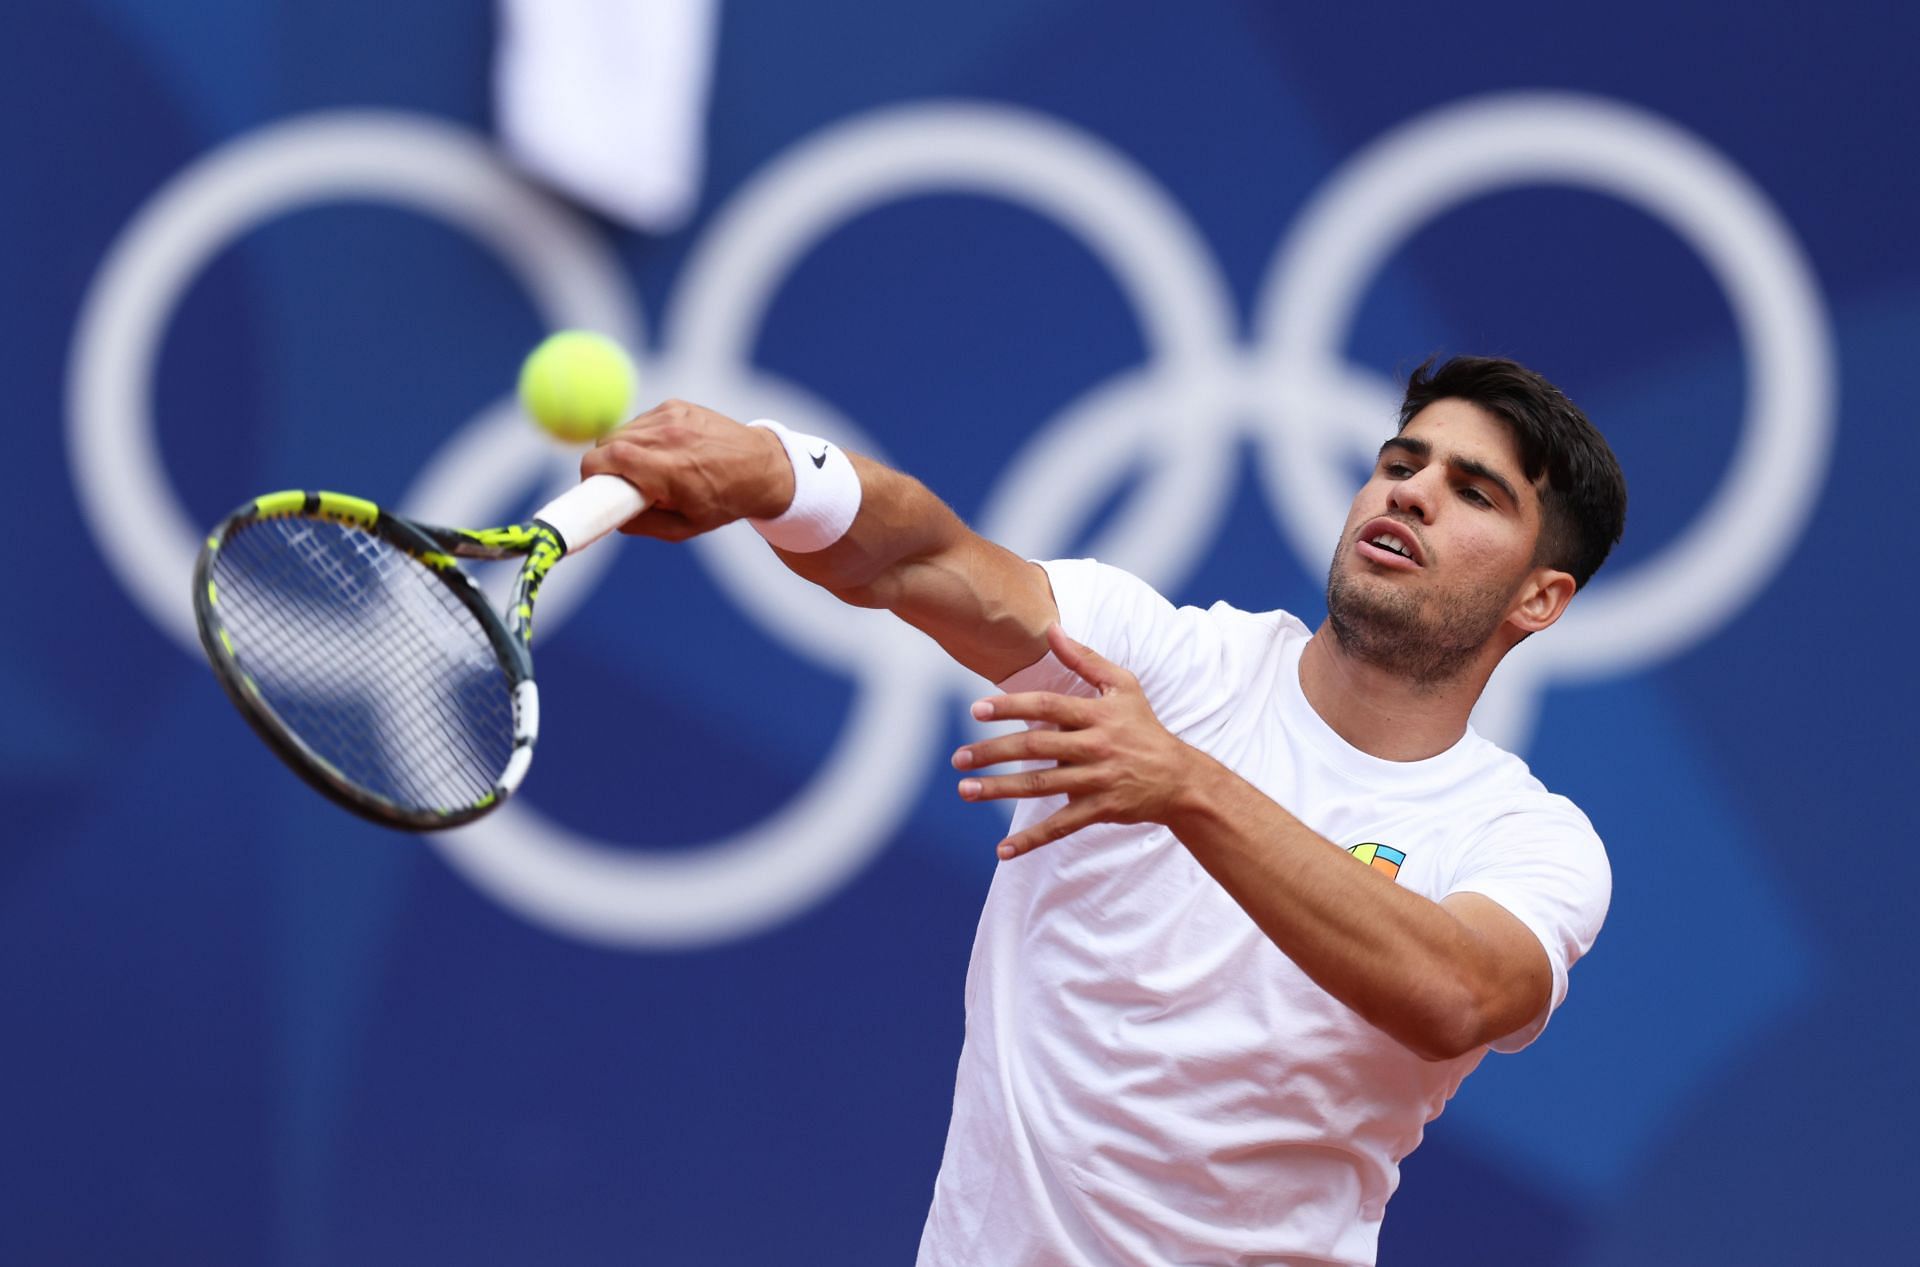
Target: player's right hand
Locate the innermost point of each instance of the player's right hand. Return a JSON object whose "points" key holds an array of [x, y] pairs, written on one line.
{"points": [[699, 470]]}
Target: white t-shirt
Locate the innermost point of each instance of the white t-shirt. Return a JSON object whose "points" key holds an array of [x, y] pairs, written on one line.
{"points": [[1146, 1078]]}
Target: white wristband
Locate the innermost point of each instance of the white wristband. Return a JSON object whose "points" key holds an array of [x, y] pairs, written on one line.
{"points": [[826, 494]]}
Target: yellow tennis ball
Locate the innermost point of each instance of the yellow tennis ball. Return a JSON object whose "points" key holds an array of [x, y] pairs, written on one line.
{"points": [[577, 385]]}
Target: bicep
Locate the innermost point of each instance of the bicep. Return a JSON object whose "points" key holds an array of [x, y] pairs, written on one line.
{"points": [[1516, 977]]}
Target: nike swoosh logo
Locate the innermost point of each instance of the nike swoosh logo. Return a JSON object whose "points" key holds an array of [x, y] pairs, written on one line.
{"points": [[820, 458]]}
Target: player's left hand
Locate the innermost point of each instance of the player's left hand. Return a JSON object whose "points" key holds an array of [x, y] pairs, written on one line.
{"points": [[1115, 762]]}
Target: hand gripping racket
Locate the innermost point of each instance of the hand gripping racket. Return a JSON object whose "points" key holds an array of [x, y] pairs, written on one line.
{"points": [[370, 661]]}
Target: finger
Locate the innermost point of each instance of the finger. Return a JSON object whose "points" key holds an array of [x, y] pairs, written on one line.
{"points": [[1062, 710], [1026, 745], [599, 460], [665, 411], [619, 454], [1093, 668], [1063, 822], [655, 472], [662, 524], [1051, 781]]}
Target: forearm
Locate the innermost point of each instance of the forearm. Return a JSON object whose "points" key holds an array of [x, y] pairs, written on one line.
{"points": [[903, 550], [900, 524], [908, 553], [1406, 964]]}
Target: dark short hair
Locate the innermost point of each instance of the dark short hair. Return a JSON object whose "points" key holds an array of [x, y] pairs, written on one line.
{"points": [[1584, 504]]}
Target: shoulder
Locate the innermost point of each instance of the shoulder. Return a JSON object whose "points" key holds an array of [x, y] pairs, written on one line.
{"points": [[1510, 810], [1091, 588], [1192, 662]]}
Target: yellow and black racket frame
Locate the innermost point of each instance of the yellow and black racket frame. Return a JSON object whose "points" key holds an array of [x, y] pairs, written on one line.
{"points": [[535, 542]]}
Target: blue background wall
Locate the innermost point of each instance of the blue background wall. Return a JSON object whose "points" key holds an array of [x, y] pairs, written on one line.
{"points": [[238, 1026]]}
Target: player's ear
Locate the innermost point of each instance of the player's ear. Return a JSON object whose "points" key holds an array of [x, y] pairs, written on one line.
{"points": [[1542, 597]]}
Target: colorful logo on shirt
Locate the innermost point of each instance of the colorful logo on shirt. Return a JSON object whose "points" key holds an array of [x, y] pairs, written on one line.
{"points": [[1382, 858]]}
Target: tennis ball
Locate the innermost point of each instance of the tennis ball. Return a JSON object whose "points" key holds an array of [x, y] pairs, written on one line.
{"points": [[577, 385]]}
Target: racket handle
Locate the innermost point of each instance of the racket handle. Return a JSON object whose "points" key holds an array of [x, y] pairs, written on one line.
{"points": [[591, 509]]}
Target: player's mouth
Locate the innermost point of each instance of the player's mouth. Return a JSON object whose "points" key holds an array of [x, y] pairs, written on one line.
{"points": [[1390, 544]]}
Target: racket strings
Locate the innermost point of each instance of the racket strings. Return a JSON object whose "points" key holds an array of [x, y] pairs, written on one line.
{"points": [[369, 658]]}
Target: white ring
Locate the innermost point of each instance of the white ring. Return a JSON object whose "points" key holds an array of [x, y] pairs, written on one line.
{"points": [[729, 888], [145, 535], [1383, 194]]}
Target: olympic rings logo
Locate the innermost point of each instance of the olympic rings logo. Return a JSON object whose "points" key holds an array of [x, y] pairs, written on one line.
{"points": [[1311, 413]]}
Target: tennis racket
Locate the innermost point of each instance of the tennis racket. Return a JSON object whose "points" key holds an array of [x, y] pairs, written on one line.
{"points": [[370, 661]]}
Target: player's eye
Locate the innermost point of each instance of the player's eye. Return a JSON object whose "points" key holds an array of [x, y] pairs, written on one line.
{"points": [[1475, 496], [1396, 470]]}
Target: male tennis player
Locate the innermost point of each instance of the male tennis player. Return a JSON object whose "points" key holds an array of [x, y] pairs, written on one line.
{"points": [[1287, 898]]}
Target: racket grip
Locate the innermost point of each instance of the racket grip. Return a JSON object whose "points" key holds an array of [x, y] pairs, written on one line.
{"points": [[591, 509]]}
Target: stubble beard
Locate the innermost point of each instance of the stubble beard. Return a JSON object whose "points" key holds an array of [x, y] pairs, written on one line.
{"points": [[1386, 626]]}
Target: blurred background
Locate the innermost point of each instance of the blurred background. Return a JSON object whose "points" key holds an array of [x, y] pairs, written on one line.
{"points": [[1121, 278]]}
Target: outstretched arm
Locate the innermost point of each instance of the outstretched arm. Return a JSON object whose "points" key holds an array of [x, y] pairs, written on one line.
{"points": [[906, 551]]}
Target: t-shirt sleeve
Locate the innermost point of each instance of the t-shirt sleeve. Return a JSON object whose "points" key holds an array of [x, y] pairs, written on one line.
{"points": [[1548, 869], [1174, 651]]}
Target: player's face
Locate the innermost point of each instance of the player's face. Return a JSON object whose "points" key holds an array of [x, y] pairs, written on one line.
{"points": [[1438, 544]]}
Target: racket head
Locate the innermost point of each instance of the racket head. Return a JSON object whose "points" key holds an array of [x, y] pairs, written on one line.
{"points": [[366, 659]]}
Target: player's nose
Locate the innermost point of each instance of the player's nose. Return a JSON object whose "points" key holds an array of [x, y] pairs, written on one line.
{"points": [[1414, 496]]}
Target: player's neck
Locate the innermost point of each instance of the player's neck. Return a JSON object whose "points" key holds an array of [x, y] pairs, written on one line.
{"points": [[1380, 712]]}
